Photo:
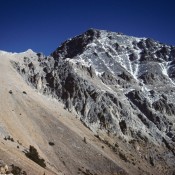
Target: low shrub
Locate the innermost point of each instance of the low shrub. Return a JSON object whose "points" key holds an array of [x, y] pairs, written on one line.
{"points": [[33, 155]]}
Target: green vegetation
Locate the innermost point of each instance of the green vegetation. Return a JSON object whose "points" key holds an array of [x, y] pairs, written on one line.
{"points": [[51, 143], [33, 155], [9, 138], [17, 171]]}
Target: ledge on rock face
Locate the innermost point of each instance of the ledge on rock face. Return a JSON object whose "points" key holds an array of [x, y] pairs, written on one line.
{"points": [[152, 78], [125, 76], [162, 106]]}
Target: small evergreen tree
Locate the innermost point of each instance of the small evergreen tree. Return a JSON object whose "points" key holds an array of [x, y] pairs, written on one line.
{"points": [[33, 155]]}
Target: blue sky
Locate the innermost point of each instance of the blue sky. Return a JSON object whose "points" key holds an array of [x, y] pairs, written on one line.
{"points": [[43, 25]]}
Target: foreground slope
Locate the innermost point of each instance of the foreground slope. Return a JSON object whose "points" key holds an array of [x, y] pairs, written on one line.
{"points": [[28, 118]]}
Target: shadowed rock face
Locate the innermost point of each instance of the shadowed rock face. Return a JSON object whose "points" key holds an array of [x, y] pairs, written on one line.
{"points": [[116, 83], [76, 46]]}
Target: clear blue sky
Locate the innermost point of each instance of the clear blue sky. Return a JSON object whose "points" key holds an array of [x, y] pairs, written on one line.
{"points": [[43, 25]]}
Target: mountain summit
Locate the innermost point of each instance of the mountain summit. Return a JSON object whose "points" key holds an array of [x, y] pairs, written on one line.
{"points": [[120, 87]]}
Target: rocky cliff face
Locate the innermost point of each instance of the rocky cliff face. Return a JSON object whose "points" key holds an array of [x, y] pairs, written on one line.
{"points": [[117, 84]]}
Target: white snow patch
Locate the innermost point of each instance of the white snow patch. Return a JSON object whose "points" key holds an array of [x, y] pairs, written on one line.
{"points": [[91, 45], [164, 67], [135, 74]]}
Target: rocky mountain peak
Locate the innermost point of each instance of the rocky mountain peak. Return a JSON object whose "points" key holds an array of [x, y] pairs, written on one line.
{"points": [[118, 84], [77, 45]]}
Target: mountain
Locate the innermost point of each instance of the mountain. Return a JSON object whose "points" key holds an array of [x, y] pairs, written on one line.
{"points": [[101, 103]]}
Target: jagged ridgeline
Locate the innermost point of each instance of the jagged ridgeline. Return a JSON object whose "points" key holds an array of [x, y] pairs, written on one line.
{"points": [[120, 84]]}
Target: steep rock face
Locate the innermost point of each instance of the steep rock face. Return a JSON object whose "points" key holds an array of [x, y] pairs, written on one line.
{"points": [[116, 83], [77, 93]]}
